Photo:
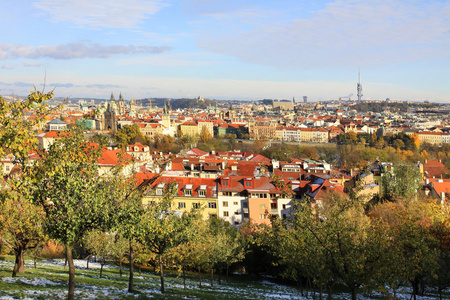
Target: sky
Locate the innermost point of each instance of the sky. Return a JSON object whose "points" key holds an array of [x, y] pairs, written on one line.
{"points": [[227, 49]]}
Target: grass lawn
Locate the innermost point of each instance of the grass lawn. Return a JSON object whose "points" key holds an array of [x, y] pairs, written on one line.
{"points": [[50, 281]]}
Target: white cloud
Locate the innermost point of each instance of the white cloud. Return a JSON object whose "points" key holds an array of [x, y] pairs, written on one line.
{"points": [[75, 50], [171, 60], [100, 13], [7, 67], [31, 64], [344, 33]]}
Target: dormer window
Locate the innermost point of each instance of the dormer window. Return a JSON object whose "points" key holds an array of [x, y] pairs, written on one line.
{"points": [[226, 181], [159, 189], [202, 191], [248, 182], [188, 190]]}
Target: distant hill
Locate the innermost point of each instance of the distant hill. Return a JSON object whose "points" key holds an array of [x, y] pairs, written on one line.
{"points": [[178, 103]]}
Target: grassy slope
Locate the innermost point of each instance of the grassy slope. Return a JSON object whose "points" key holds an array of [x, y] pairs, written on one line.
{"points": [[49, 281]]}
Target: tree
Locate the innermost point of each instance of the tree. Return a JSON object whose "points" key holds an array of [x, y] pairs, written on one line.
{"points": [[16, 130], [205, 135], [20, 219], [128, 134], [75, 199], [99, 243], [352, 136], [21, 222], [119, 249], [416, 141], [128, 214], [352, 245], [398, 144], [402, 181], [164, 229]]}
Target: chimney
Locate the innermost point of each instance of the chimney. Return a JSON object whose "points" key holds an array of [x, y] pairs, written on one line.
{"points": [[427, 181], [442, 197]]}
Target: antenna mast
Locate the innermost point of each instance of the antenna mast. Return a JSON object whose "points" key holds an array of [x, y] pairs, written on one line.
{"points": [[359, 86]]}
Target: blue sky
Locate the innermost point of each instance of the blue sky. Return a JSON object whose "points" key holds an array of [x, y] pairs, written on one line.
{"points": [[227, 49]]}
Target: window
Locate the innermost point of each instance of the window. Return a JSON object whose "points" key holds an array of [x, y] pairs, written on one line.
{"points": [[225, 203], [245, 204], [7, 168], [225, 214], [202, 193], [236, 223], [248, 183], [273, 205], [235, 203], [227, 194], [211, 204], [284, 206], [225, 183], [262, 206], [181, 204], [196, 205], [159, 192], [259, 195], [262, 216], [188, 192]]}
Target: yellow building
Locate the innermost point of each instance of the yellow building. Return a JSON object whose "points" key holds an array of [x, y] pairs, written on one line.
{"points": [[192, 193], [315, 135], [151, 129], [190, 128], [431, 137]]}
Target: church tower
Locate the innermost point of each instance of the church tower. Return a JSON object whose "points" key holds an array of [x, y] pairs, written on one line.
{"points": [[121, 105], [110, 116], [165, 117], [132, 106]]}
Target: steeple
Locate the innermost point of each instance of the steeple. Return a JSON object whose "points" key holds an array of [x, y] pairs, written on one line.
{"points": [[112, 97]]}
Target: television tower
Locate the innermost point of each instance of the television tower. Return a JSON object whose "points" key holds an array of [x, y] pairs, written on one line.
{"points": [[359, 86]]}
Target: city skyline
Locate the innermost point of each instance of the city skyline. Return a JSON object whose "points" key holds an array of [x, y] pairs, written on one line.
{"points": [[227, 49]]}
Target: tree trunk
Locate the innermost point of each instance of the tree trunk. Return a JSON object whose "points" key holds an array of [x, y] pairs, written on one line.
{"points": [[299, 284], [101, 269], [228, 267], [212, 276], [184, 278], [220, 275], [120, 267], [320, 290], [87, 262], [65, 262], [353, 292], [69, 259], [130, 282], [19, 266], [161, 270], [35, 259], [200, 277], [140, 271], [414, 284], [330, 292]]}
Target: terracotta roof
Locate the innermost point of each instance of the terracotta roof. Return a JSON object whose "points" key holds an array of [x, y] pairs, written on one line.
{"points": [[194, 184]]}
